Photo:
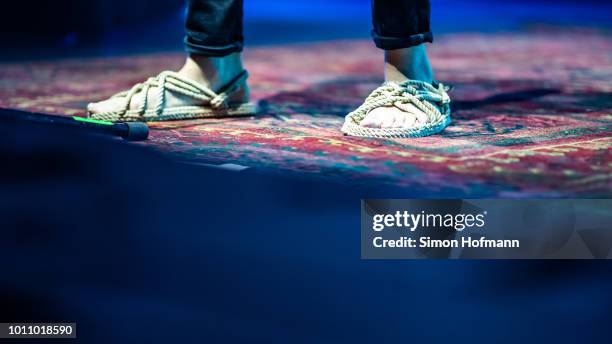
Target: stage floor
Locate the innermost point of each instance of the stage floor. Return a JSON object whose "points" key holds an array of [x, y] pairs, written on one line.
{"points": [[532, 113]]}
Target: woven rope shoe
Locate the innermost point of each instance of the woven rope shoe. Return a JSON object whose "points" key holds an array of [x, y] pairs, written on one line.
{"points": [[161, 98], [431, 99]]}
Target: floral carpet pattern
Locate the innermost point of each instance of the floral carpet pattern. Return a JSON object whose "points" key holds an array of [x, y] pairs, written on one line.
{"points": [[532, 113]]}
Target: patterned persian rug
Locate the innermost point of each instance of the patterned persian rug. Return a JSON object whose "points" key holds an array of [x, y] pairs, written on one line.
{"points": [[532, 113]]}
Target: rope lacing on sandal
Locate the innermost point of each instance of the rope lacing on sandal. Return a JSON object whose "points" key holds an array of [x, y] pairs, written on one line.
{"points": [[431, 100], [171, 81]]}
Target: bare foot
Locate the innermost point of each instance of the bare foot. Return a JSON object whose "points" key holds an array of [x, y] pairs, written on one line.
{"points": [[210, 72], [401, 65]]}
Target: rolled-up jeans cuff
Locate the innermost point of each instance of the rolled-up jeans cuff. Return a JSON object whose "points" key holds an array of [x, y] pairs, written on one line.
{"points": [[213, 51], [392, 43]]}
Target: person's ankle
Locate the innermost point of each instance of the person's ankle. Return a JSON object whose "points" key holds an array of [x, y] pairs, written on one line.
{"points": [[409, 63], [212, 72]]}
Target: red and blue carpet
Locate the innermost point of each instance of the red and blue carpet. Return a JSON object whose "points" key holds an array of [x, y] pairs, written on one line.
{"points": [[532, 113]]}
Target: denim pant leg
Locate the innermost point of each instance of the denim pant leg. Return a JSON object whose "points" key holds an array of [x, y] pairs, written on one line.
{"points": [[214, 27], [400, 23]]}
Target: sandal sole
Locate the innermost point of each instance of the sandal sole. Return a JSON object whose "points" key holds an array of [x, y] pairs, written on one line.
{"points": [[180, 113]]}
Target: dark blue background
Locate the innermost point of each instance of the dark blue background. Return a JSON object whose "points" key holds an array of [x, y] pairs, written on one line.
{"points": [[40, 29], [139, 249]]}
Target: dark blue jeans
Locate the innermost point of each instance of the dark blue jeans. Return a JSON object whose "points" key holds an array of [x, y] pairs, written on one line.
{"points": [[214, 27]]}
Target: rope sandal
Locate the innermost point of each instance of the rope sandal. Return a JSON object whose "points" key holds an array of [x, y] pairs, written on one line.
{"points": [[432, 99], [213, 104]]}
